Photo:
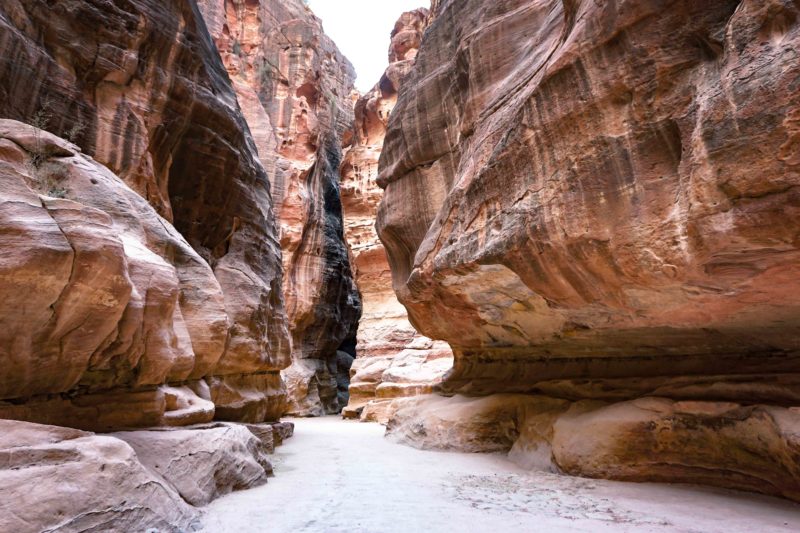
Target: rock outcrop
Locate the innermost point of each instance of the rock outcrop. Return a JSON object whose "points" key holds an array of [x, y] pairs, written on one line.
{"points": [[598, 201], [206, 462], [602, 191], [295, 88], [748, 447], [61, 479], [116, 302], [393, 359]]}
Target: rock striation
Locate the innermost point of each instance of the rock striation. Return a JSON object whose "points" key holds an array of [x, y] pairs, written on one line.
{"points": [[598, 201], [117, 302], [204, 462], [61, 479], [393, 359], [747, 447], [295, 89], [78, 481]]}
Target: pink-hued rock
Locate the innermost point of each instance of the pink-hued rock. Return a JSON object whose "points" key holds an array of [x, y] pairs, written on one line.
{"points": [[203, 462], [386, 339], [294, 87], [100, 295], [597, 201], [753, 447], [60, 479], [140, 88], [600, 199]]}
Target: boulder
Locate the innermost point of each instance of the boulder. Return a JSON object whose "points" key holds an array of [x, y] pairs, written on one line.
{"points": [[203, 462]]}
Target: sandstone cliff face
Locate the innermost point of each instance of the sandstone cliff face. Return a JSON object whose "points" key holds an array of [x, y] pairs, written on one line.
{"points": [[598, 200], [586, 192], [295, 90], [393, 359], [115, 302]]}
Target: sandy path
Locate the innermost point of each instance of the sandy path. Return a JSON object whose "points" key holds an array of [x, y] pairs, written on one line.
{"points": [[339, 476]]}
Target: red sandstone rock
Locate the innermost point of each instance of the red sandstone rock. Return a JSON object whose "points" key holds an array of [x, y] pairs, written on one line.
{"points": [[598, 201], [295, 88], [59, 479], [100, 295], [139, 86], [600, 198], [648, 439], [393, 359], [203, 462]]}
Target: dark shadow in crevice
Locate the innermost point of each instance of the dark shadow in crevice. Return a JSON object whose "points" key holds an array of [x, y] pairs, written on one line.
{"points": [[345, 355]]}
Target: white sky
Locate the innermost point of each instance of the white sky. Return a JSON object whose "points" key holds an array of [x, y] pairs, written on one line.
{"points": [[361, 29]]}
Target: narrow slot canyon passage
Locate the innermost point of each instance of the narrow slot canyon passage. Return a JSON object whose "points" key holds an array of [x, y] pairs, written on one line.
{"points": [[399, 266], [341, 476]]}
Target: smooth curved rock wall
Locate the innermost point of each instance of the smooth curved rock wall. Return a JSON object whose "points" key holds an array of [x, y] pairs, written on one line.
{"points": [[295, 89], [140, 87], [394, 360], [599, 199]]}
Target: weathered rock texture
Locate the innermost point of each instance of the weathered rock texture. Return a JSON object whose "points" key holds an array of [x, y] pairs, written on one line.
{"points": [[295, 88], [393, 359], [203, 463], [60, 479], [599, 200], [116, 302], [602, 194], [749, 447]]}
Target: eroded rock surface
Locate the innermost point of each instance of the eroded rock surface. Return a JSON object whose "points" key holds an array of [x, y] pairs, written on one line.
{"points": [[598, 202], [393, 359], [295, 88], [104, 302], [749, 447], [606, 193], [605, 203], [139, 87], [59, 479], [203, 462]]}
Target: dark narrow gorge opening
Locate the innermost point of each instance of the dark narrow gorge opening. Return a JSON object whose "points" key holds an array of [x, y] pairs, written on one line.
{"points": [[559, 241], [345, 356]]}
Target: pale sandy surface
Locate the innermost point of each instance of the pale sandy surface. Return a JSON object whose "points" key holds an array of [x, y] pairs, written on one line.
{"points": [[340, 476]]}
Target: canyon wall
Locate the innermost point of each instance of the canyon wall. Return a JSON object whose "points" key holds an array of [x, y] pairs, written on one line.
{"points": [[140, 272], [146, 289], [295, 89], [598, 201], [393, 359]]}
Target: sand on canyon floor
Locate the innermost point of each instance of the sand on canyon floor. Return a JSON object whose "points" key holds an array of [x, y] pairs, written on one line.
{"points": [[343, 476]]}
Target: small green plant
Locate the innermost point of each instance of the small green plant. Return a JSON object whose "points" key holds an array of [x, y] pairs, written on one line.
{"points": [[75, 131], [334, 107], [40, 121], [264, 71], [48, 175]]}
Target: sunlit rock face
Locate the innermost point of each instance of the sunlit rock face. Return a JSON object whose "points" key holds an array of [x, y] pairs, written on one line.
{"points": [[295, 88], [599, 199], [139, 87], [595, 203], [393, 359]]}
